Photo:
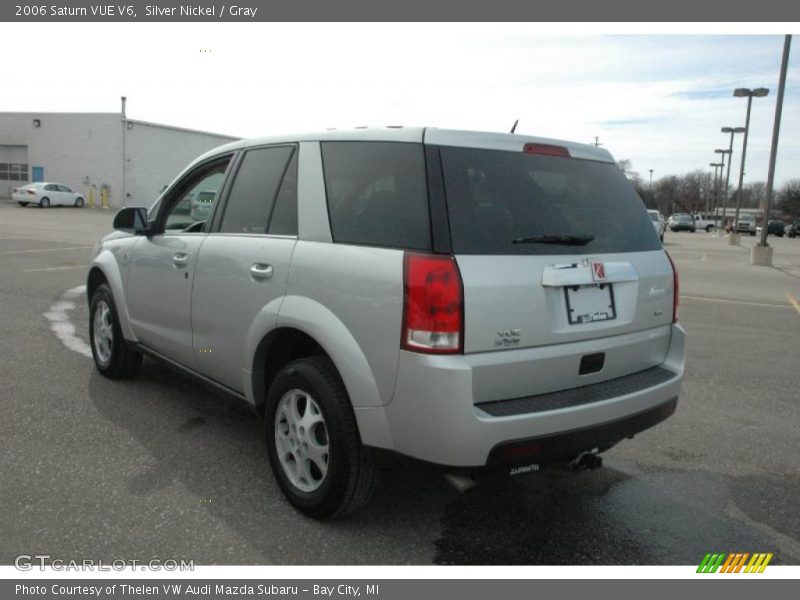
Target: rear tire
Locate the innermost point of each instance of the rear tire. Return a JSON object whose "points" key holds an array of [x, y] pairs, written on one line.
{"points": [[23, 204], [323, 470], [79, 203], [112, 356], [709, 228], [44, 203]]}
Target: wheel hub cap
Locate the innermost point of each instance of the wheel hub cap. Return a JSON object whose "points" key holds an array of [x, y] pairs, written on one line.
{"points": [[103, 334], [301, 439]]}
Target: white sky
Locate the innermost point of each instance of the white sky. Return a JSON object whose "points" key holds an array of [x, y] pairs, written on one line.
{"points": [[656, 99]]}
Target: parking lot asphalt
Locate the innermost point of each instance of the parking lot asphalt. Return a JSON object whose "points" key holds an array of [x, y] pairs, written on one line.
{"points": [[163, 467]]}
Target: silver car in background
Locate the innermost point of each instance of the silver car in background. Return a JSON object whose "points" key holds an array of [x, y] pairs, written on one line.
{"points": [[659, 223], [473, 300]]}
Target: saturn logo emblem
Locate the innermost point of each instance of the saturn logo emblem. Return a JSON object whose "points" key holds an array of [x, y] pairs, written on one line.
{"points": [[598, 271]]}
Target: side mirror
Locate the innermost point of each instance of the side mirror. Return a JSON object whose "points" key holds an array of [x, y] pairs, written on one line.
{"points": [[132, 219]]}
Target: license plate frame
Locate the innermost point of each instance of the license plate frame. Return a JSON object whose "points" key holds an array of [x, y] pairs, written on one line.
{"points": [[599, 311]]}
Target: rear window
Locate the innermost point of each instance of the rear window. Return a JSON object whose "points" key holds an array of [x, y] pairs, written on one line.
{"points": [[377, 194], [495, 197]]}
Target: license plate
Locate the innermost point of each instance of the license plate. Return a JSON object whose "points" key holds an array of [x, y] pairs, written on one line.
{"points": [[590, 303]]}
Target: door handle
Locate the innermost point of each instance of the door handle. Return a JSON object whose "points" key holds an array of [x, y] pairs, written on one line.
{"points": [[179, 259], [261, 271]]}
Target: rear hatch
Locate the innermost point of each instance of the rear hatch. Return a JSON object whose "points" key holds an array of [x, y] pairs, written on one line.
{"points": [[554, 247]]}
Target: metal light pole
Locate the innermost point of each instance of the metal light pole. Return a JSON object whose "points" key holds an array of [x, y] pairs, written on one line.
{"points": [[732, 131], [723, 191], [716, 184], [749, 94], [762, 254], [651, 182]]}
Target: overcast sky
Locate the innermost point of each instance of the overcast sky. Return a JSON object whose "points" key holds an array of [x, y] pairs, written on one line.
{"points": [[658, 100]]}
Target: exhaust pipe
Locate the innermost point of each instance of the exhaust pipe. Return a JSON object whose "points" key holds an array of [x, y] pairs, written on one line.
{"points": [[588, 460], [461, 483]]}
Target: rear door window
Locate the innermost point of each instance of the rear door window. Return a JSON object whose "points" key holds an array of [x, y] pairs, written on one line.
{"points": [[377, 194], [254, 190], [495, 197]]}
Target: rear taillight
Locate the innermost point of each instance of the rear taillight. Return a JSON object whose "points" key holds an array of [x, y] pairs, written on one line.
{"points": [[30, 192], [433, 304], [546, 149], [676, 288]]}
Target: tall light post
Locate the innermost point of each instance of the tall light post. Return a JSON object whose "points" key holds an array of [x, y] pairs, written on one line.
{"points": [[732, 131], [723, 190], [749, 94], [761, 253], [716, 185]]}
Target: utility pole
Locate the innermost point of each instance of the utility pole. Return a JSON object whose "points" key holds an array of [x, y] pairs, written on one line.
{"points": [[761, 254], [124, 152]]}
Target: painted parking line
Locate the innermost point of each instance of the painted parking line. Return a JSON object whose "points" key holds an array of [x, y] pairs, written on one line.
{"points": [[58, 315], [744, 302], [793, 301], [54, 269], [44, 250]]}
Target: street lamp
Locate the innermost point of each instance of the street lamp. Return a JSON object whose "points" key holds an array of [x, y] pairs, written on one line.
{"points": [[732, 131], [749, 94], [723, 191], [716, 189]]}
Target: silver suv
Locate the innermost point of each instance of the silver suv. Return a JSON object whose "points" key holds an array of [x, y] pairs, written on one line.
{"points": [[468, 299]]}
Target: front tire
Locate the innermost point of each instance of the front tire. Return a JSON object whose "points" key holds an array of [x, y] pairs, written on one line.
{"points": [[313, 442], [112, 356], [44, 203], [79, 203]]}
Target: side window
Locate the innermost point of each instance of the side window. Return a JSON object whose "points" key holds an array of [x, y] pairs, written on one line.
{"points": [[254, 190], [195, 201], [284, 215], [377, 194]]}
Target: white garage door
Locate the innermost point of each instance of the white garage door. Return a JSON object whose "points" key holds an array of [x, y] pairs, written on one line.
{"points": [[13, 168]]}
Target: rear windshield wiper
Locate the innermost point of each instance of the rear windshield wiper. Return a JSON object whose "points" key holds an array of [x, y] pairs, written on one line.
{"points": [[561, 239]]}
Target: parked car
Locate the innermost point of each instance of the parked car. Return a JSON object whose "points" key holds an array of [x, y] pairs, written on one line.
{"points": [[47, 194], [747, 224], [776, 227], [659, 224], [472, 300], [201, 205], [793, 230], [682, 222], [706, 222]]}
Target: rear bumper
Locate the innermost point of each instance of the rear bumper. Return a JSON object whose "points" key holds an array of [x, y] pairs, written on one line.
{"points": [[435, 415]]}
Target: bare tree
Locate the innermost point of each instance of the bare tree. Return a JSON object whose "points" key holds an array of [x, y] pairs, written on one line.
{"points": [[789, 198]]}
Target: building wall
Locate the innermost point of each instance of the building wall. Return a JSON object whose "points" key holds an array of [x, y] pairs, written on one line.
{"points": [[157, 154], [76, 149], [85, 150]]}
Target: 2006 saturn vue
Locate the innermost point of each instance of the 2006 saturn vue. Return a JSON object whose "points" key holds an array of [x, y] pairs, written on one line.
{"points": [[473, 300]]}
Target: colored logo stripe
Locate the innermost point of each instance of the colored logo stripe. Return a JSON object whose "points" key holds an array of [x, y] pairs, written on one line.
{"points": [[734, 562]]}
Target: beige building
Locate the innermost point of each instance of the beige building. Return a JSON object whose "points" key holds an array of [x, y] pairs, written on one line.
{"points": [[133, 160]]}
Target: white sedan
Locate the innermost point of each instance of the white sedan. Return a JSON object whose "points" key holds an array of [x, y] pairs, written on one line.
{"points": [[47, 194]]}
